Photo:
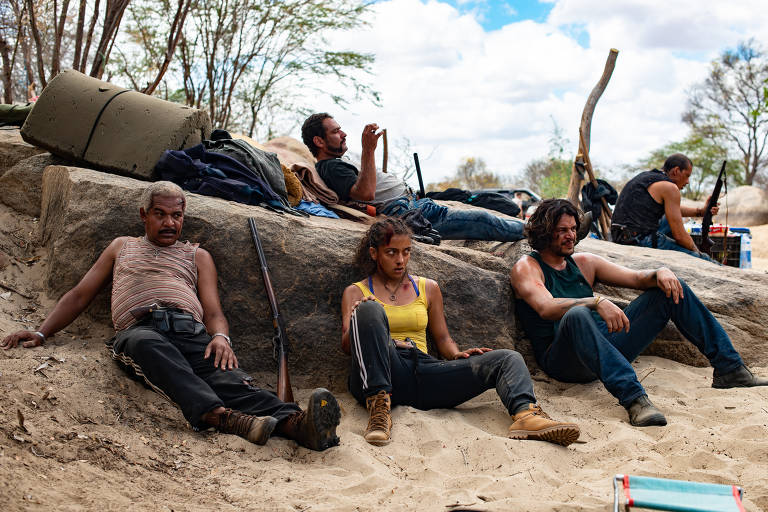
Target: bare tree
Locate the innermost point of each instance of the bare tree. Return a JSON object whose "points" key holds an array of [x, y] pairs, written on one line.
{"points": [[732, 105]]}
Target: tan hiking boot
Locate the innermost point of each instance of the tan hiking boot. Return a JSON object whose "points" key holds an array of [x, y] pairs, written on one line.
{"points": [[255, 429], [533, 423], [380, 421]]}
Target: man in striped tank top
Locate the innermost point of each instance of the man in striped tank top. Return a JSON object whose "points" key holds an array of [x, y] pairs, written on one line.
{"points": [[172, 333]]}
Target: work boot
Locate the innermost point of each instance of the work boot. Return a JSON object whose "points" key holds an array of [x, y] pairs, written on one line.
{"points": [[255, 429], [642, 413], [314, 428], [533, 423], [585, 226], [739, 378], [380, 421]]}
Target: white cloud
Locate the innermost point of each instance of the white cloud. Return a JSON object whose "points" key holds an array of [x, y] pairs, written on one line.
{"points": [[457, 90]]}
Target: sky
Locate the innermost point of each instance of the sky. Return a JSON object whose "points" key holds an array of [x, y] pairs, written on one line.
{"points": [[490, 79]]}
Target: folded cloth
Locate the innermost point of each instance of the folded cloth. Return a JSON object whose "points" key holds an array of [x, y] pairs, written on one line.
{"points": [[316, 209], [313, 184]]}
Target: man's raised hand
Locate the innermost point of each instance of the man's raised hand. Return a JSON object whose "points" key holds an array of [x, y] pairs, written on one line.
{"points": [[370, 137]]}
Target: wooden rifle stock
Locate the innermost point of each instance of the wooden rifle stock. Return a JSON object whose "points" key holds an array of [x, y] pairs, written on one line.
{"points": [[279, 341], [706, 243]]}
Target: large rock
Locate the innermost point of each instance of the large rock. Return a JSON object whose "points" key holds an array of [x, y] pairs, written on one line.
{"points": [[13, 149], [104, 126], [290, 151], [746, 206], [309, 258], [20, 186]]}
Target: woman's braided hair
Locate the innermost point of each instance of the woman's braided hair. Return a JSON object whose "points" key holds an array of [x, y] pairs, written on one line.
{"points": [[380, 233], [541, 225]]}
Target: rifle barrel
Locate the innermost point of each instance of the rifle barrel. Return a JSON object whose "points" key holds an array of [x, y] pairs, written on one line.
{"points": [[418, 174]]}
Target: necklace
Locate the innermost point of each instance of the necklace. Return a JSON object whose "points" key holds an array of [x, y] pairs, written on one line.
{"points": [[393, 293]]}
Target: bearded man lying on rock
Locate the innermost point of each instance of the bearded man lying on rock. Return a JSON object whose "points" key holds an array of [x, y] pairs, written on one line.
{"points": [[172, 333]]}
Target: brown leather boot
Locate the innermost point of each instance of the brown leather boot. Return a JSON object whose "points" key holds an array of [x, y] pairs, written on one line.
{"points": [[533, 423], [314, 428], [380, 421], [255, 429]]}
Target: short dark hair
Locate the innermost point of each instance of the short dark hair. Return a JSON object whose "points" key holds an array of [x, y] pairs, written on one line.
{"points": [[380, 233], [541, 226], [677, 160], [313, 127]]}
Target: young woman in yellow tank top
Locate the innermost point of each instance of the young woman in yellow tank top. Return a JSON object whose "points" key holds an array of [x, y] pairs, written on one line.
{"points": [[385, 317]]}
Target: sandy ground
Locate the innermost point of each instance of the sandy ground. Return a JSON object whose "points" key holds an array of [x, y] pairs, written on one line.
{"points": [[94, 439]]}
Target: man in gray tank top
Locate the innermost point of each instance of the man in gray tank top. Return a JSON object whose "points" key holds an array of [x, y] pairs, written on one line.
{"points": [[648, 212], [580, 337], [172, 333]]}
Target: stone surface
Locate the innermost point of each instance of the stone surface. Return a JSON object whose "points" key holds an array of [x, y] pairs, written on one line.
{"points": [[13, 149], [290, 151], [746, 206], [21, 185], [309, 258], [84, 119]]}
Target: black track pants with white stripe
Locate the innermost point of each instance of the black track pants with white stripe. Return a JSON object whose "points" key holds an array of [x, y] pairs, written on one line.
{"points": [[173, 365], [418, 379]]}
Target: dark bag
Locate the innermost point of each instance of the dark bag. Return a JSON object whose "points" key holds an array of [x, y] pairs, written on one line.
{"points": [[450, 194], [495, 201]]}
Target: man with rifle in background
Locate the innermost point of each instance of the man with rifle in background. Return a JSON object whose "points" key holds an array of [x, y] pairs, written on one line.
{"points": [[648, 212], [172, 332]]}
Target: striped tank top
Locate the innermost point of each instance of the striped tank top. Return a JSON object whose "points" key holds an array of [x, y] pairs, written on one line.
{"points": [[146, 274], [409, 320]]}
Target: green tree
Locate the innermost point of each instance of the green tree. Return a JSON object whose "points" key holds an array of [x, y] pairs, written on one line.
{"points": [[707, 157], [471, 174], [550, 175], [731, 105]]}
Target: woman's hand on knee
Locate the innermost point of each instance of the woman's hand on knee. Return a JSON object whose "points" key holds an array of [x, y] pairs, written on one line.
{"points": [[364, 299], [471, 352]]}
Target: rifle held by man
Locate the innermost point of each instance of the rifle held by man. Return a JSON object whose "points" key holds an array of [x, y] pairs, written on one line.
{"points": [[279, 341], [706, 243]]}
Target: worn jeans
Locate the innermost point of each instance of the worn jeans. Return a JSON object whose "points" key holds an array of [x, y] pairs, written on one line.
{"points": [[172, 364], [418, 379], [455, 224], [583, 350], [665, 241]]}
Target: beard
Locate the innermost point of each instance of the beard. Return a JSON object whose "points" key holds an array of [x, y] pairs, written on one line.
{"points": [[562, 250], [338, 150]]}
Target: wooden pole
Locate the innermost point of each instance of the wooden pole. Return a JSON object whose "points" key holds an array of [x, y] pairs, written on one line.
{"points": [[574, 188], [386, 150], [605, 220]]}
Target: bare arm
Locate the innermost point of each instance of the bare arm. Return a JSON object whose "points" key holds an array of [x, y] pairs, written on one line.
{"points": [[528, 282], [213, 316], [670, 194], [74, 301], [365, 187], [350, 299]]}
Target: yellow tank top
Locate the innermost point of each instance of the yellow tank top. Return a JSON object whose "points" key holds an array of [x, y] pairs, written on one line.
{"points": [[409, 320]]}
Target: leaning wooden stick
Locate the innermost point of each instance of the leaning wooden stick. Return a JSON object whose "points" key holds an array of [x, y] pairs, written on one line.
{"points": [[279, 341], [605, 221], [586, 121], [386, 150]]}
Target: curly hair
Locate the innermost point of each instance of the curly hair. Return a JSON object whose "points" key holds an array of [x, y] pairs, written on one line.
{"points": [[313, 127], [380, 233], [541, 225]]}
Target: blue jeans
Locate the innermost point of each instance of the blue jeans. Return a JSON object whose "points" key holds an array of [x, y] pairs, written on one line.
{"points": [[665, 241], [583, 350], [459, 224]]}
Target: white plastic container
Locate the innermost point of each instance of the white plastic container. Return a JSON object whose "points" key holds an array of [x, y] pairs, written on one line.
{"points": [[745, 253]]}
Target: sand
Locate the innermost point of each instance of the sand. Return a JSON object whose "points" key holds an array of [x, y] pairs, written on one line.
{"points": [[94, 439]]}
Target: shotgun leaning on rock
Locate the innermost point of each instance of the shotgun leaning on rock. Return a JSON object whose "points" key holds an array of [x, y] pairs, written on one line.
{"points": [[279, 341]]}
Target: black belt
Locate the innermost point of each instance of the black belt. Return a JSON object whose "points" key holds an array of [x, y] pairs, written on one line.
{"points": [[627, 236]]}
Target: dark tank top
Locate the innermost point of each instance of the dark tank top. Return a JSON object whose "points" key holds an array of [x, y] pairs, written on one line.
{"points": [[566, 283], [636, 209]]}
